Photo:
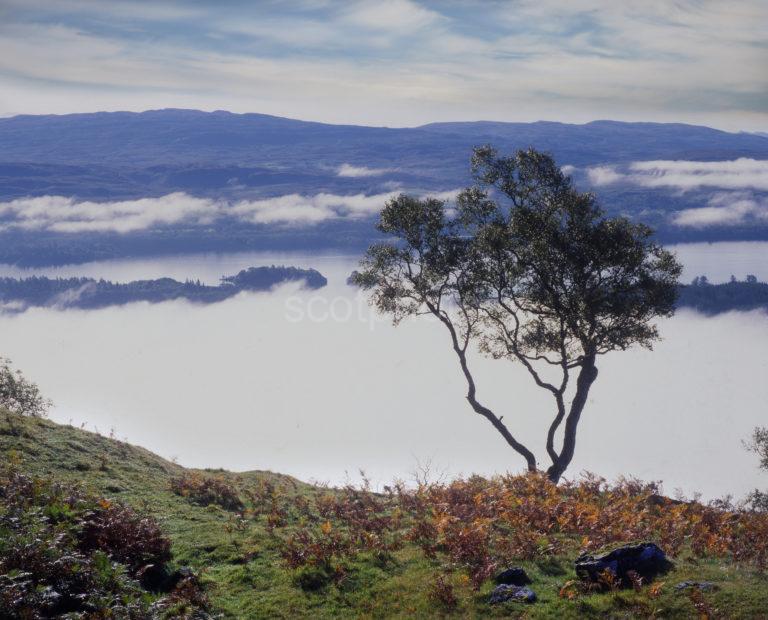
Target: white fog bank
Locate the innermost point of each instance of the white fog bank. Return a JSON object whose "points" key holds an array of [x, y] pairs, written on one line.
{"points": [[244, 384]]}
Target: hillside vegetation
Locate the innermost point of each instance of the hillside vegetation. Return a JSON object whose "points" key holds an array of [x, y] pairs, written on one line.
{"points": [[266, 545]]}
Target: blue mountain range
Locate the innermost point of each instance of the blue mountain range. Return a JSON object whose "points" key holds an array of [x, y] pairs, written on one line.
{"points": [[125, 155]]}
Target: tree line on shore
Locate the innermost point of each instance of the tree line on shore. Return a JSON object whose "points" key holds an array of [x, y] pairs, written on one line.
{"points": [[707, 298], [17, 294]]}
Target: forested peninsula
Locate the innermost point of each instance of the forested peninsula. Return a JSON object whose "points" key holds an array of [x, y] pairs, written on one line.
{"points": [[700, 295], [18, 294]]}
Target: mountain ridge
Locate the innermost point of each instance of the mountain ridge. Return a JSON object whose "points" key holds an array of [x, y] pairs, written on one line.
{"points": [[147, 138], [435, 124]]}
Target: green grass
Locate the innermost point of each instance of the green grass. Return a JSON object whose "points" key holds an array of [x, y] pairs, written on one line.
{"points": [[246, 577]]}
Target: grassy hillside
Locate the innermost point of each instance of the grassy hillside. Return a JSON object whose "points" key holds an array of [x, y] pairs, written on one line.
{"points": [[270, 546]]}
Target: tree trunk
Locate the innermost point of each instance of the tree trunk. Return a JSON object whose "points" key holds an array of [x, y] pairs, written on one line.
{"points": [[586, 378], [460, 351], [530, 459]]}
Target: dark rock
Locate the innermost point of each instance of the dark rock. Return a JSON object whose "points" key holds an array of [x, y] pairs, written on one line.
{"points": [[505, 592], [661, 501], [704, 586], [153, 577], [157, 578], [177, 576], [645, 560], [515, 576]]}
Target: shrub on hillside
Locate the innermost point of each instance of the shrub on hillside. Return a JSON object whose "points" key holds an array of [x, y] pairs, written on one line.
{"points": [[130, 538], [758, 500], [64, 551], [207, 490], [759, 445], [20, 395]]}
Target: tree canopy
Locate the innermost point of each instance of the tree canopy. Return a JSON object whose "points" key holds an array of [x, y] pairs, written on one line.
{"points": [[530, 270]]}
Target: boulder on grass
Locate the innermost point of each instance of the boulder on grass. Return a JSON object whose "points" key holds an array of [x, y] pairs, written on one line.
{"points": [[704, 586], [515, 576], [505, 592], [625, 564]]}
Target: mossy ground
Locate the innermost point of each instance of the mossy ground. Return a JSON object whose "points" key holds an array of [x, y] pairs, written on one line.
{"points": [[246, 577]]}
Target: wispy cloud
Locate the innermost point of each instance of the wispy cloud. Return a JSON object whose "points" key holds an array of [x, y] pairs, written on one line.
{"points": [[114, 9], [401, 17], [687, 175], [744, 179], [348, 170], [298, 209], [724, 209], [604, 175], [394, 62], [62, 214], [736, 174], [66, 215]]}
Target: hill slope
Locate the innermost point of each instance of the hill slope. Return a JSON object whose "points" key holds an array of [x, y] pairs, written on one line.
{"points": [[166, 137], [245, 557], [125, 154]]}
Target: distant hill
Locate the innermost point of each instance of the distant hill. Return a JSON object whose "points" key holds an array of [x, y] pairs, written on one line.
{"points": [[162, 144], [611, 141], [109, 156]]}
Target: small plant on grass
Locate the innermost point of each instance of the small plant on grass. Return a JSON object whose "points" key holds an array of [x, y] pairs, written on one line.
{"points": [[272, 501], [701, 605], [442, 592], [207, 490], [324, 549]]}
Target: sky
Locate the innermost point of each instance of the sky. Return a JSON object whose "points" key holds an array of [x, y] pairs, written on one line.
{"points": [[393, 62]]}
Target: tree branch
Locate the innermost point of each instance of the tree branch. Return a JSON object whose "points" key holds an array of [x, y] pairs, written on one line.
{"points": [[472, 391]]}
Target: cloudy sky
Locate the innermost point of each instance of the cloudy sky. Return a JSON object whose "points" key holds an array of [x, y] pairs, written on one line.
{"points": [[392, 62]]}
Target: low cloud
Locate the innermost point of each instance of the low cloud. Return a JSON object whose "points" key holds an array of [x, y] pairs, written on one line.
{"points": [[71, 296], [348, 170], [725, 209], [12, 307], [683, 175], [298, 209], [737, 206], [446, 196], [66, 215], [604, 175], [62, 214]]}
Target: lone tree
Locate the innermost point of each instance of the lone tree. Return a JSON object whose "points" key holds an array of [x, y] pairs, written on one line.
{"points": [[20, 395], [530, 270]]}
